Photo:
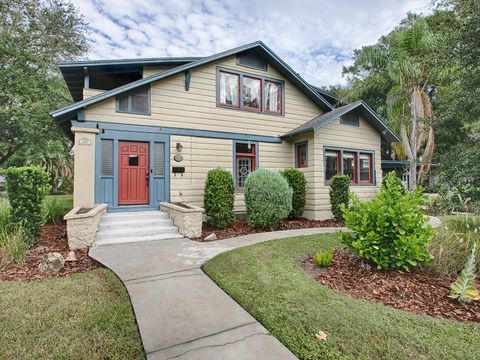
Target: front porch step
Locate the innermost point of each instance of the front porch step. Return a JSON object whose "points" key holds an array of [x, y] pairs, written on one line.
{"points": [[127, 227], [126, 240], [134, 223]]}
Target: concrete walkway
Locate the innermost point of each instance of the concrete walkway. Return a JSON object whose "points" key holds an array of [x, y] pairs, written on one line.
{"points": [[181, 313]]}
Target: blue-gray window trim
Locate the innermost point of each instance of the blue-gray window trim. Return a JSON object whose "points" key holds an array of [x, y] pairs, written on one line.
{"points": [[234, 161], [242, 74], [117, 102], [296, 150], [349, 150]]}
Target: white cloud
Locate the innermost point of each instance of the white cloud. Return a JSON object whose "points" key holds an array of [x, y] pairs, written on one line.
{"points": [[316, 38]]}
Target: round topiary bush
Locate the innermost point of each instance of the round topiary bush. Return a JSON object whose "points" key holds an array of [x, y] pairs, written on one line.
{"points": [[298, 183], [268, 198], [219, 198], [339, 194], [26, 188]]}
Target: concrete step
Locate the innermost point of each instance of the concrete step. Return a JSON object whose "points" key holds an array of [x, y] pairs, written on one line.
{"points": [[142, 231], [134, 223], [125, 240], [134, 215]]}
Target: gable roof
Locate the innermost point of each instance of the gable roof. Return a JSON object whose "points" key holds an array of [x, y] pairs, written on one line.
{"points": [[363, 109], [68, 112]]}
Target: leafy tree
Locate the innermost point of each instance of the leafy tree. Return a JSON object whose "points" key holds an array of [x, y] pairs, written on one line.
{"points": [[34, 36], [403, 66]]}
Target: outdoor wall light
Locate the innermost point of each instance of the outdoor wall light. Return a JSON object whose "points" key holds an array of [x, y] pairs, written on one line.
{"points": [[179, 147]]}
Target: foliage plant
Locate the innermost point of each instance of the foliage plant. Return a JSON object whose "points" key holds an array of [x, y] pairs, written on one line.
{"points": [[219, 198], [323, 258], [268, 199], [54, 209], [453, 242], [4, 215], [298, 183], [12, 246], [465, 288], [389, 230], [26, 190], [339, 195]]}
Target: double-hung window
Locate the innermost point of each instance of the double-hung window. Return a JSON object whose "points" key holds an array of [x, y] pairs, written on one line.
{"points": [[245, 162], [357, 165], [135, 102], [249, 92]]}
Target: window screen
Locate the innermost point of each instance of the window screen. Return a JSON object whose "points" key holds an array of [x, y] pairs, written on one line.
{"points": [[107, 157], [135, 102], [159, 159], [350, 119]]}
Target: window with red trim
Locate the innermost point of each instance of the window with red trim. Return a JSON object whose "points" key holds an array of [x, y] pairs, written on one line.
{"points": [[301, 155], [229, 89], [252, 93], [273, 97], [366, 168], [357, 165], [245, 162]]}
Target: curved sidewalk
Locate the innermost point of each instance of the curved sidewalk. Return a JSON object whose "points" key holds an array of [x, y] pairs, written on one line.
{"points": [[180, 312]]}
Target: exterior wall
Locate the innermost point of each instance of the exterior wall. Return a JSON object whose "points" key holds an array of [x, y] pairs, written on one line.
{"points": [[335, 134], [172, 106], [84, 167], [150, 70], [88, 93]]}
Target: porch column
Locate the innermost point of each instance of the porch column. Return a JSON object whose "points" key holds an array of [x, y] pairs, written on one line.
{"points": [[84, 167]]}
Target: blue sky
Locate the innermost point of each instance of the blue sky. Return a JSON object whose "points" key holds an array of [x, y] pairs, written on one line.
{"points": [[316, 38]]}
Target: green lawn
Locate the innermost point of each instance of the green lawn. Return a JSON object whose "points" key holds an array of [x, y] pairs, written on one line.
{"points": [[266, 280], [83, 316]]}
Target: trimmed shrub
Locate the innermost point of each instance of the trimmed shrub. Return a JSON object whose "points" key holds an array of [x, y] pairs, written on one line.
{"points": [[4, 215], [298, 183], [390, 230], [26, 190], [339, 195], [268, 198], [219, 197]]}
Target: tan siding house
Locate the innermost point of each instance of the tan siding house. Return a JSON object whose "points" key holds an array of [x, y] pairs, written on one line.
{"points": [[154, 137]]}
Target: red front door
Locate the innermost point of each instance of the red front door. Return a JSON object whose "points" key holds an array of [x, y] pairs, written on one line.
{"points": [[133, 173]]}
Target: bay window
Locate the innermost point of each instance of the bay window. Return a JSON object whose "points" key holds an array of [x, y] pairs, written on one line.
{"points": [[249, 92], [245, 162], [356, 164], [229, 89]]}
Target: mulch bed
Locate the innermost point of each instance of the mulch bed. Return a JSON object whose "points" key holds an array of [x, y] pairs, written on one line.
{"points": [[53, 239], [241, 227], [417, 291]]}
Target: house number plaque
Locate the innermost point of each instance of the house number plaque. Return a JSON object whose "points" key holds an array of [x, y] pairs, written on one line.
{"points": [[84, 142]]}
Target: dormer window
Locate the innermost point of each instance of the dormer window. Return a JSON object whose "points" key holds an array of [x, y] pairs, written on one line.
{"points": [[249, 92], [135, 102]]}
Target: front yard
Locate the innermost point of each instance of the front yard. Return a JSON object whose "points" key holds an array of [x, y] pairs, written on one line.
{"points": [[82, 316], [267, 281]]}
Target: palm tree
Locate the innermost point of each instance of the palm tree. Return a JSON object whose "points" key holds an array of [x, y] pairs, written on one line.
{"points": [[401, 66]]}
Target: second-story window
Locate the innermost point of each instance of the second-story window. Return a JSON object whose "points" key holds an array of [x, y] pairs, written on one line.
{"points": [[229, 89], [252, 93], [249, 92], [135, 102]]}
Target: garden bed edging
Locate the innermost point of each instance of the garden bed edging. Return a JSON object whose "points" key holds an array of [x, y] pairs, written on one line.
{"points": [[82, 228], [187, 218]]}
